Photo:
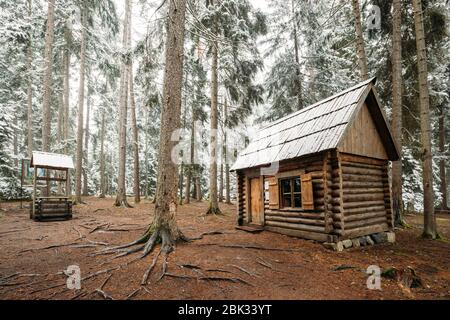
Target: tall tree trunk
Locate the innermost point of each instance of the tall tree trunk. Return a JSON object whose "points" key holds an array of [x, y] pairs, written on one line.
{"points": [[79, 160], [121, 197], [136, 178], [191, 158], [221, 182], [397, 111], [16, 143], [442, 171], [183, 165], [48, 56], [29, 88], [66, 66], [298, 81], [429, 227], [180, 183], [86, 139], [102, 157], [59, 135], [361, 53], [225, 155], [147, 180], [198, 188], [164, 225], [213, 204]]}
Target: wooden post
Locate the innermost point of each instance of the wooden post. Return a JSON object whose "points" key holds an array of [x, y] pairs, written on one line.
{"points": [[67, 183], [34, 190], [47, 174]]}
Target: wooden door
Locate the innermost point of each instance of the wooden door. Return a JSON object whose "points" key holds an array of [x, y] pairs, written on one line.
{"points": [[256, 205]]}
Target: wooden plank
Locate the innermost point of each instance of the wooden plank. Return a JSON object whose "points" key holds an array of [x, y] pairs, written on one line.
{"points": [[51, 179], [321, 237], [296, 226], [307, 192], [345, 157], [363, 231], [362, 137]]}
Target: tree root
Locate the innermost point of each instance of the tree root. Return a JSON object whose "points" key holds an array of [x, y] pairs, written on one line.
{"points": [[245, 271], [209, 278], [150, 268], [99, 227], [208, 233], [248, 246], [122, 203], [103, 293], [213, 211], [133, 293]]}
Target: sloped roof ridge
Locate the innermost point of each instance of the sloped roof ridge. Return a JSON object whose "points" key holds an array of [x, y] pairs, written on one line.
{"points": [[316, 104]]}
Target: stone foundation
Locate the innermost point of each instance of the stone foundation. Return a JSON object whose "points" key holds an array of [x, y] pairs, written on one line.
{"points": [[363, 241]]}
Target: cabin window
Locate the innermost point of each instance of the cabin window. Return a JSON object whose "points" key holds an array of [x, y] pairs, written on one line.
{"points": [[291, 195]]}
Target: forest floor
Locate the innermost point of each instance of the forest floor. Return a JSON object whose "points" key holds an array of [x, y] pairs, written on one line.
{"points": [[32, 259]]}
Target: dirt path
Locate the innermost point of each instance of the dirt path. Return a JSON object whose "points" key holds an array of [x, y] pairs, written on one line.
{"points": [[31, 269]]}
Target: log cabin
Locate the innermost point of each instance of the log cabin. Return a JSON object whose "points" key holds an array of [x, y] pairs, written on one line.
{"points": [[321, 173]]}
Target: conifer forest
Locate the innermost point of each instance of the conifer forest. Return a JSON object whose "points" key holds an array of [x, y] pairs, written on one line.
{"points": [[224, 150]]}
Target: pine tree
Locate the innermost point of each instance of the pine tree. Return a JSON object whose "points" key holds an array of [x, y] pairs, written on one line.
{"points": [[46, 112], [429, 227], [397, 201]]}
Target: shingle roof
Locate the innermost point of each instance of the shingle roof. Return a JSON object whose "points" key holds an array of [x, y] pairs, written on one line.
{"points": [[316, 128], [51, 160]]}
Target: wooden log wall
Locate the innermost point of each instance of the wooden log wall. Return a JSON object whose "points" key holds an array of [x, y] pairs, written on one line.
{"points": [[311, 224], [241, 209], [364, 195]]}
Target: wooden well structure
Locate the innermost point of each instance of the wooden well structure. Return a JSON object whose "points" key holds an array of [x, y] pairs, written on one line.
{"points": [[321, 173], [48, 168]]}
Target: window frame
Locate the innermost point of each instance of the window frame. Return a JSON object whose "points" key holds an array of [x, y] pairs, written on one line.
{"points": [[292, 193]]}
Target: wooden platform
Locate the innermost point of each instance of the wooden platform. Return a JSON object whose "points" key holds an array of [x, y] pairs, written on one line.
{"points": [[51, 208], [250, 228]]}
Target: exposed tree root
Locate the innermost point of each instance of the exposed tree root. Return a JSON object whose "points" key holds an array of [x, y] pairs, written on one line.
{"points": [[99, 227], [103, 293], [248, 246], [214, 211], [122, 203], [209, 278], [150, 268], [208, 233], [133, 293], [245, 271], [14, 230]]}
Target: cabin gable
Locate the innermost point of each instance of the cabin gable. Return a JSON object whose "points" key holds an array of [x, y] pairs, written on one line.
{"points": [[362, 137]]}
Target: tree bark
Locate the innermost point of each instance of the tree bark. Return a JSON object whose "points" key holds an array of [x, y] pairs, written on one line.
{"points": [[221, 182], [121, 197], [429, 228], [30, 88], [198, 188], [225, 146], [136, 178], [298, 82], [361, 53], [16, 143], [79, 160], [213, 203], [397, 202], [86, 140], [442, 171], [48, 56], [102, 157], [164, 221], [66, 96], [59, 135]]}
